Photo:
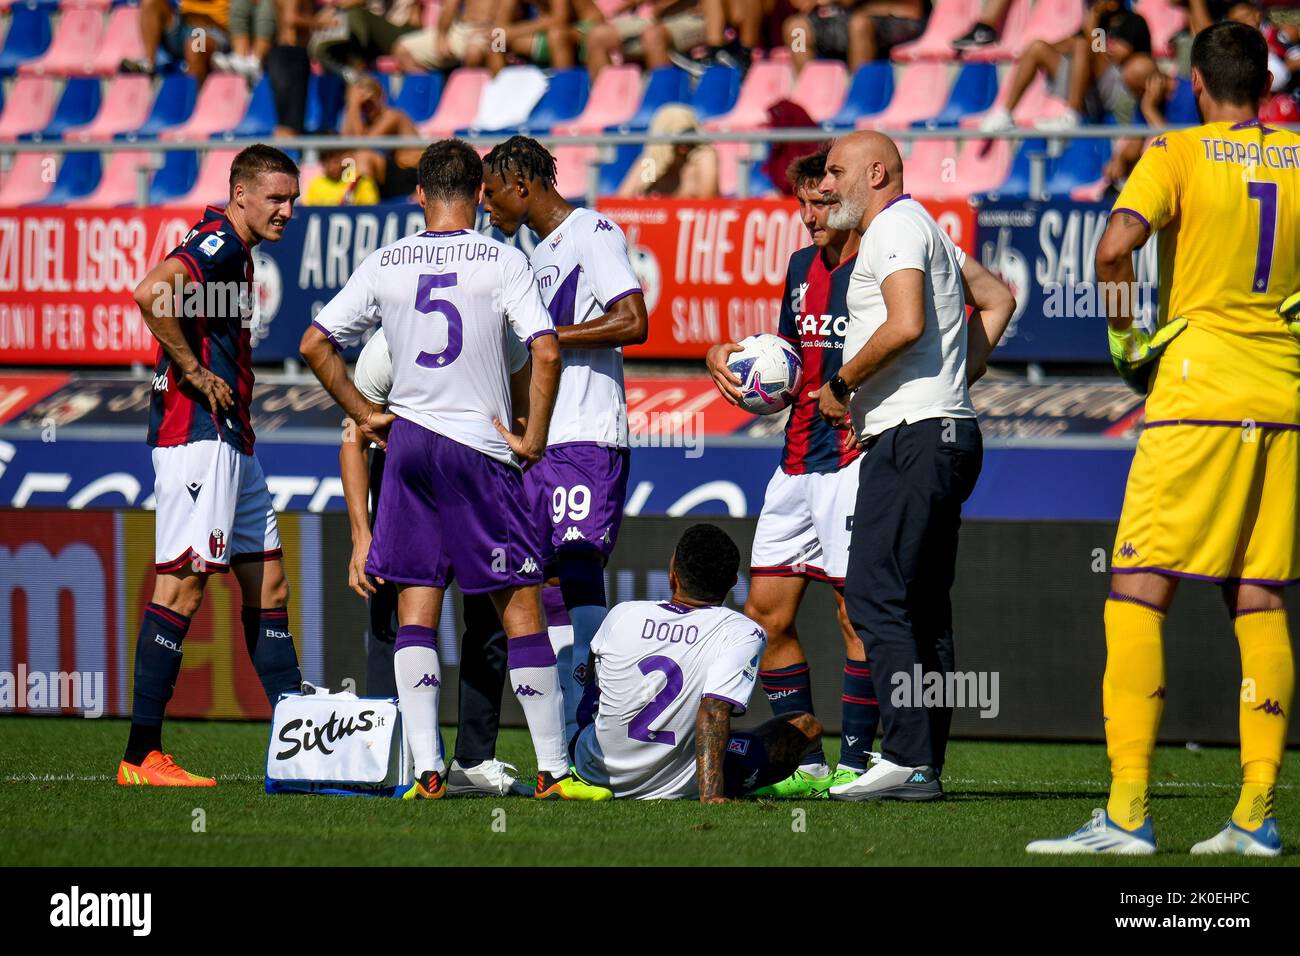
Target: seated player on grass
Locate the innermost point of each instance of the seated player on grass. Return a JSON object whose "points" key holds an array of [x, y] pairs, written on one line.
{"points": [[668, 676]]}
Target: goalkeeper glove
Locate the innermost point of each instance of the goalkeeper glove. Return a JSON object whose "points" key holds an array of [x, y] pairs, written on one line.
{"points": [[1135, 352], [1290, 312]]}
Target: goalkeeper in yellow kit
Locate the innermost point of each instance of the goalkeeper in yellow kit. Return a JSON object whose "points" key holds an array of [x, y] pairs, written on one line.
{"points": [[1212, 491]]}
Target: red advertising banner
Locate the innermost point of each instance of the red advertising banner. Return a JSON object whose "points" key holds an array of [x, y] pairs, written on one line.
{"points": [[713, 270], [66, 277]]}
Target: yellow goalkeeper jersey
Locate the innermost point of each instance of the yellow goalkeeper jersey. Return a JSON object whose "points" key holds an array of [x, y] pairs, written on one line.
{"points": [[1224, 201]]}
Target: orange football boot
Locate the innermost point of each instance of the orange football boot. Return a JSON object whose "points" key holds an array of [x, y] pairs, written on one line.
{"points": [[159, 770]]}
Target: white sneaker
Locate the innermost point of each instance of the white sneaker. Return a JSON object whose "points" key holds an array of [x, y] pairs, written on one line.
{"points": [[997, 120], [889, 781], [1059, 124], [491, 778], [1265, 841], [1101, 835]]}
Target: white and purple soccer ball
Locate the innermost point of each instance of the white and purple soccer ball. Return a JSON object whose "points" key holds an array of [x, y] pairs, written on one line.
{"points": [[770, 370]]}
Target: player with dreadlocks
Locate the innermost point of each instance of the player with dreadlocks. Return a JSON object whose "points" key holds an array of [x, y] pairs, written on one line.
{"points": [[595, 300]]}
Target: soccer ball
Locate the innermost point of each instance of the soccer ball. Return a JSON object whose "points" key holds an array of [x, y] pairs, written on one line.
{"points": [[770, 370]]}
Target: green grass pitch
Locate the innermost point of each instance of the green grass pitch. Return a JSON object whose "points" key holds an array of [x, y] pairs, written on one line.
{"points": [[59, 806]]}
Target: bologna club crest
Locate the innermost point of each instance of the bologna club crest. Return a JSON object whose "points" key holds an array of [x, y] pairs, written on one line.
{"points": [[217, 543]]}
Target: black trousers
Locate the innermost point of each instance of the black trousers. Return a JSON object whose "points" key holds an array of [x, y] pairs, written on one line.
{"points": [[288, 69], [902, 556]]}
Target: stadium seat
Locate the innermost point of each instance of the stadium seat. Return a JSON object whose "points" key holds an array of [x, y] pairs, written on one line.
{"points": [[121, 41], [764, 84], [29, 108], [28, 180], [1090, 192], [930, 168], [222, 101], [1081, 163], [325, 96], [1181, 107], [1049, 20], [509, 98], [1165, 20], [982, 166], [459, 103], [78, 106], [716, 92], [1012, 38], [28, 37], [172, 107], [212, 185], [119, 184], [949, 19], [78, 177], [613, 101], [564, 100], [419, 95], [1016, 185], [667, 84], [974, 91], [72, 52], [260, 118], [869, 93], [760, 186], [175, 178], [820, 89], [571, 164], [100, 5], [1036, 104], [613, 173], [919, 94]]}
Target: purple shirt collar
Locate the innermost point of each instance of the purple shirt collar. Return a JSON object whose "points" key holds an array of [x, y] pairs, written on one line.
{"points": [[433, 234], [896, 199]]}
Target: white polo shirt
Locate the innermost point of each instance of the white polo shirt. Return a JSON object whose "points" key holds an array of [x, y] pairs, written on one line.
{"points": [[928, 378]]}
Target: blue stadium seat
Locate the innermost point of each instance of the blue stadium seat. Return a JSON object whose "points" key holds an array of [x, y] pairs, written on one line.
{"points": [[1080, 164], [869, 93], [612, 174], [717, 92], [28, 37], [419, 95], [78, 178], [759, 183], [565, 99], [171, 107], [667, 84], [261, 117], [974, 91], [77, 107], [1017, 182], [176, 178], [324, 103], [1181, 107]]}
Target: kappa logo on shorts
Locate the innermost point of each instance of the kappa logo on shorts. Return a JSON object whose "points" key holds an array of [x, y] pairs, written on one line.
{"points": [[737, 745], [528, 567], [217, 543], [573, 534], [194, 488], [1128, 551]]}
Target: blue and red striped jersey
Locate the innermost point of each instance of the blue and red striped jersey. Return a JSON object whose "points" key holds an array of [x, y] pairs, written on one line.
{"points": [[814, 318], [215, 311]]}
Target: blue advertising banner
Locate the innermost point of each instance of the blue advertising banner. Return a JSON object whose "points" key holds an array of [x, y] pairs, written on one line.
{"points": [[1046, 252]]}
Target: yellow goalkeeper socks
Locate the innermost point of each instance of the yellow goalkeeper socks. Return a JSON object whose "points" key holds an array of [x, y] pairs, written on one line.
{"points": [[1133, 698], [1267, 685]]}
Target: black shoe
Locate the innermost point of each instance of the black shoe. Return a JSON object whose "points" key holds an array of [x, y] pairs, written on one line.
{"points": [[735, 56], [981, 34], [136, 66]]}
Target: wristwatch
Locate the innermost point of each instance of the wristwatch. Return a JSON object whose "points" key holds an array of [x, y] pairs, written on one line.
{"points": [[840, 389]]}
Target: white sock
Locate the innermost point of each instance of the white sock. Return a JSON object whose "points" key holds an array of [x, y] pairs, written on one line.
{"points": [[419, 681], [586, 622], [536, 683]]}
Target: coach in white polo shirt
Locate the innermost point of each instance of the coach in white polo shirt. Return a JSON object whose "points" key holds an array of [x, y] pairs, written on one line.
{"points": [[904, 383]]}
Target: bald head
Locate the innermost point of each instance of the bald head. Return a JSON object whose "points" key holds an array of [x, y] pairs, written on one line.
{"points": [[864, 171]]}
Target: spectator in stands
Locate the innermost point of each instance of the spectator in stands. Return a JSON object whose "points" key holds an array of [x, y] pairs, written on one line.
{"points": [[787, 114], [857, 31], [365, 35], [733, 29], [555, 34], [675, 170], [288, 65], [340, 183], [1093, 81], [985, 31], [367, 113], [673, 25], [252, 32], [459, 38], [191, 33]]}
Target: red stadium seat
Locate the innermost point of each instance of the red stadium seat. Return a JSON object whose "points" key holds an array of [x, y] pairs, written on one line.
{"points": [[28, 181], [459, 103], [982, 166], [764, 84], [571, 168], [213, 183], [223, 100], [1164, 19], [118, 185], [930, 168], [919, 94], [614, 97], [948, 20], [29, 107], [125, 109], [1050, 20], [121, 42], [821, 88], [72, 51]]}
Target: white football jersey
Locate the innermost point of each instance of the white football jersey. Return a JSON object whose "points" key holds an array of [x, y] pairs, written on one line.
{"points": [[451, 304], [582, 270], [373, 374], [655, 662]]}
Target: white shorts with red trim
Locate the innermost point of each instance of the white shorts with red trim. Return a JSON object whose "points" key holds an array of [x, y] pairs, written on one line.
{"points": [[805, 525], [213, 508]]}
